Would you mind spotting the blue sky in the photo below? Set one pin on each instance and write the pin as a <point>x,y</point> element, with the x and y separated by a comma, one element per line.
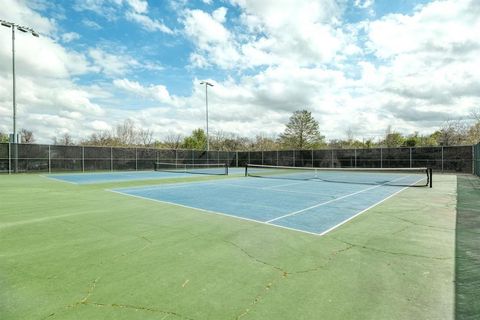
<point>359,65</point>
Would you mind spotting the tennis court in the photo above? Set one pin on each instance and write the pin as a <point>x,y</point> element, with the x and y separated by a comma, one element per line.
<point>303,199</point>
<point>122,176</point>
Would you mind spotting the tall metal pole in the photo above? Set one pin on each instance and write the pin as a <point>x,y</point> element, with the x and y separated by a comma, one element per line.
<point>206,113</point>
<point>207,84</point>
<point>14,101</point>
<point>15,140</point>
<point>15,137</point>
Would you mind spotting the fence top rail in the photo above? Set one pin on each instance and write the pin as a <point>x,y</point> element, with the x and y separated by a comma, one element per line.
<point>198,150</point>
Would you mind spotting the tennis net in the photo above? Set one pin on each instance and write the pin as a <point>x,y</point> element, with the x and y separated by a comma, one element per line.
<point>197,168</point>
<point>371,176</point>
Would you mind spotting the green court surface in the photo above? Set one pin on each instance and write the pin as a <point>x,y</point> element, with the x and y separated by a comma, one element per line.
<point>81,252</point>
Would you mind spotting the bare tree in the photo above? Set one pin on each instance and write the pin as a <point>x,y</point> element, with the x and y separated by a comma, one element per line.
<point>103,138</point>
<point>26,136</point>
<point>64,140</point>
<point>452,132</point>
<point>173,140</point>
<point>125,133</point>
<point>145,136</point>
<point>476,114</point>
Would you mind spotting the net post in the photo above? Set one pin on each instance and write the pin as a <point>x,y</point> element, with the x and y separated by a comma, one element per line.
<point>226,169</point>
<point>246,170</point>
<point>430,175</point>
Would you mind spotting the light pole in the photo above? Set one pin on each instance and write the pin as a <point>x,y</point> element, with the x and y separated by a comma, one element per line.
<point>24,29</point>
<point>207,84</point>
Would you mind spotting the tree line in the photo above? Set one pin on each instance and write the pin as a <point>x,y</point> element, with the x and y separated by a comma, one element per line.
<point>301,132</point>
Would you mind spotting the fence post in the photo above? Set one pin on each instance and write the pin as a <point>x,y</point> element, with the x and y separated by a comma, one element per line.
<point>410,157</point>
<point>111,158</point>
<point>83,159</point>
<point>312,159</point>
<point>293,157</point>
<point>355,153</point>
<point>473,160</point>
<point>49,160</point>
<point>136,159</point>
<point>236,158</point>
<point>381,157</point>
<point>248,156</point>
<point>277,157</point>
<point>9,157</point>
<point>262,157</point>
<point>442,159</point>
<point>331,164</point>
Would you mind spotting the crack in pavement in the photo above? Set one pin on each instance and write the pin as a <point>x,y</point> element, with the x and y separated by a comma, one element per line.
<point>392,252</point>
<point>253,257</point>
<point>283,274</point>
<point>85,301</point>
<point>261,295</point>
<point>422,225</point>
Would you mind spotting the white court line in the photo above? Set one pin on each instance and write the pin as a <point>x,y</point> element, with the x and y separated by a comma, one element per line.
<point>333,200</point>
<point>211,211</point>
<point>374,205</point>
<point>51,178</point>
<point>269,188</point>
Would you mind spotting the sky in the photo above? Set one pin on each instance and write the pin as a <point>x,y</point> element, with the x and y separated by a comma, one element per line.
<point>359,66</point>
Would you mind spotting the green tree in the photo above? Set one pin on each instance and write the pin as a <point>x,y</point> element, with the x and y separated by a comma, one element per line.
<point>412,140</point>
<point>197,140</point>
<point>302,132</point>
<point>392,138</point>
<point>3,138</point>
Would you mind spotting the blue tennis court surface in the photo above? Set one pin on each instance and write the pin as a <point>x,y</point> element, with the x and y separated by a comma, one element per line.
<point>309,206</point>
<point>103,177</point>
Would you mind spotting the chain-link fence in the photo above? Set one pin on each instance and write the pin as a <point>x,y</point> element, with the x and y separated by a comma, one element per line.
<point>476,161</point>
<point>443,159</point>
<point>54,158</point>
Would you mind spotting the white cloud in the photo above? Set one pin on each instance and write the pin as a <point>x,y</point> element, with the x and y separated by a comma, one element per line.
<point>156,92</point>
<point>91,24</point>
<point>214,42</point>
<point>139,6</point>
<point>70,36</point>
<point>431,56</point>
<point>148,23</point>
<point>364,4</point>
<point>112,64</point>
